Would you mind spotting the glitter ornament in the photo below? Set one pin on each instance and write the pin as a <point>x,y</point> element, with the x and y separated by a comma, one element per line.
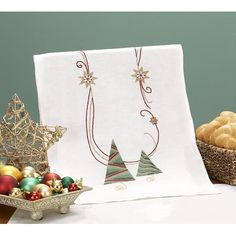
<point>55,185</point>
<point>72,187</point>
<point>33,196</point>
<point>17,193</point>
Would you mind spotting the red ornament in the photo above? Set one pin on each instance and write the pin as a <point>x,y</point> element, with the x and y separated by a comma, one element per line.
<point>33,196</point>
<point>72,187</point>
<point>7,183</point>
<point>49,177</point>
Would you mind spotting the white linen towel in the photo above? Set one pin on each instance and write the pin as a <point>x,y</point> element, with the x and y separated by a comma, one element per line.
<point>135,97</point>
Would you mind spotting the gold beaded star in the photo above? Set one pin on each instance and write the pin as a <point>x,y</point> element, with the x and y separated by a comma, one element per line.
<point>153,120</point>
<point>87,79</point>
<point>23,141</point>
<point>140,75</point>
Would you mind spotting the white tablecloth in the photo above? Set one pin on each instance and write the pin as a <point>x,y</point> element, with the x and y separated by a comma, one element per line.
<point>218,208</point>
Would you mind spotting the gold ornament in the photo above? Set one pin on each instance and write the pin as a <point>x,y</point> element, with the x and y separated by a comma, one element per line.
<point>65,190</point>
<point>43,189</point>
<point>55,185</point>
<point>29,168</point>
<point>79,183</point>
<point>17,193</point>
<point>36,175</point>
<point>27,173</point>
<point>24,141</point>
<point>12,171</point>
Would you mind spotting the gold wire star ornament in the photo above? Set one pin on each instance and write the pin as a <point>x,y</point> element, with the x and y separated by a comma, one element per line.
<point>87,79</point>
<point>140,75</point>
<point>24,142</point>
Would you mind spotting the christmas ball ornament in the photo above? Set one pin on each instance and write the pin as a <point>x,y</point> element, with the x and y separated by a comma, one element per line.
<point>79,183</point>
<point>28,183</point>
<point>7,183</point>
<point>36,175</point>
<point>12,171</point>
<point>37,186</point>
<point>30,168</point>
<point>43,189</point>
<point>33,196</point>
<point>16,192</point>
<point>66,181</point>
<point>72,187</point>
<point>40,178</point>
<point>50,176</point>
<point>55,185</point>
<point>28,171</point>
<point>65,190</point>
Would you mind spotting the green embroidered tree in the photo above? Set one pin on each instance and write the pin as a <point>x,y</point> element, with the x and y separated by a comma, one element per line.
<point>116,168</point>
<point>146,166</point>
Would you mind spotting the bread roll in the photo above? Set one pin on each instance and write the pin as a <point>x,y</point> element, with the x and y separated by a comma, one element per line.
<point>220,132</point>
<point>228,114</point>
<point>209,129</point>
<point>200,131</point>
<point>225,141</point>
<point>220,140</point>
<point>223,119</point>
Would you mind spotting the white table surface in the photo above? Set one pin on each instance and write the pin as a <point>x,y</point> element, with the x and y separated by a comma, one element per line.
<point>219,208</point>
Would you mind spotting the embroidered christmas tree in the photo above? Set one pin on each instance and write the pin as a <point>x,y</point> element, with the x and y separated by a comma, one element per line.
<point>146,166</point>
<point>116,168</point>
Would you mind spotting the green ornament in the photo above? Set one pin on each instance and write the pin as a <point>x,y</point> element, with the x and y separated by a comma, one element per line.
<point>28,183</point>
<point>66,181</point>
<point>40,179</point>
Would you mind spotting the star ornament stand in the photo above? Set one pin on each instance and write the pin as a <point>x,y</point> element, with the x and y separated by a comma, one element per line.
<point>24,142</point>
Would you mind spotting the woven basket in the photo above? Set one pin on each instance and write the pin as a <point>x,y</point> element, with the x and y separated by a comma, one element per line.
<point>219,162</point>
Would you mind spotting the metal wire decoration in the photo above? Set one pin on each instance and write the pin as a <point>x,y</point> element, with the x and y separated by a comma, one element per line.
<point>24,142</point>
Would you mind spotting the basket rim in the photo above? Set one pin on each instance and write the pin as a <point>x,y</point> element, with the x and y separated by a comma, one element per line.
<point>216,147</point>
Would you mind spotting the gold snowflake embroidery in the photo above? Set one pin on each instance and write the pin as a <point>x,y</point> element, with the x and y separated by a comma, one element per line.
<point>140,75</point>
<point>87,79</point>
<point>153,120</point>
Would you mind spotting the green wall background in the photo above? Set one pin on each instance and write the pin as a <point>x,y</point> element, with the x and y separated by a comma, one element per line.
<point>208,39</point>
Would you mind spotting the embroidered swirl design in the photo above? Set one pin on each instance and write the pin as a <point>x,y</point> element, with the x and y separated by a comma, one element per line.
<point>140,76</point>
<point>88,79</point>
<point>153,120</point>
